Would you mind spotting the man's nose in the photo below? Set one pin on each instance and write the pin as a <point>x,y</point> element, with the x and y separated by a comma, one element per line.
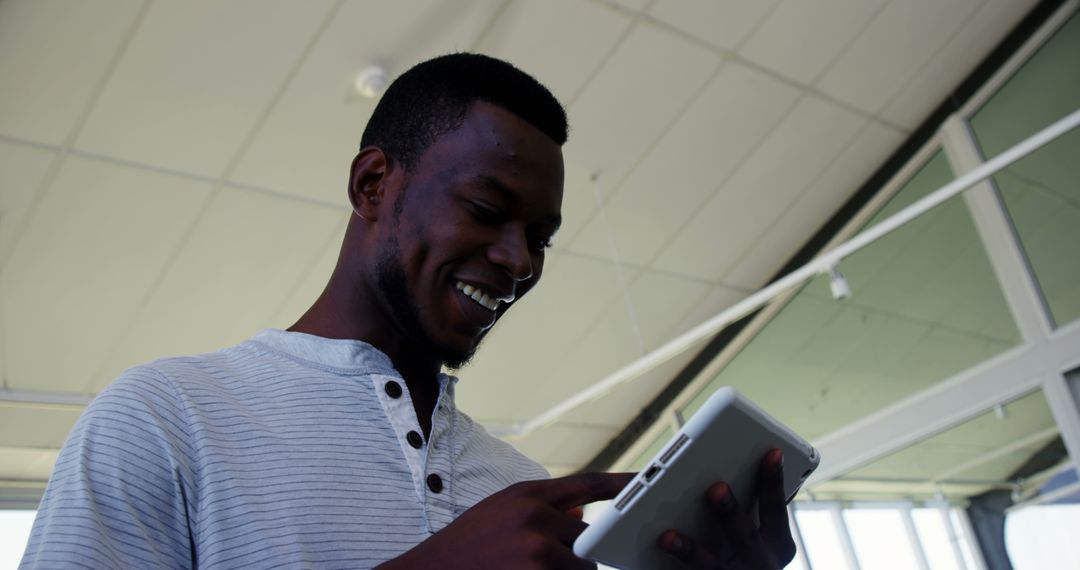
<point>512,253</point>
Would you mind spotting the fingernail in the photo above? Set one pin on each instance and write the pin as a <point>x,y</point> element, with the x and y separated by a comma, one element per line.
<point>778,460</point>
<point>725,496</point>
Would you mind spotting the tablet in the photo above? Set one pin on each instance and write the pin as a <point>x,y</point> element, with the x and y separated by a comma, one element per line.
<point>725,441</point>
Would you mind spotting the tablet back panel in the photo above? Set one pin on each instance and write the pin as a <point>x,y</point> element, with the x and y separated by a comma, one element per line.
<point>670,491</point>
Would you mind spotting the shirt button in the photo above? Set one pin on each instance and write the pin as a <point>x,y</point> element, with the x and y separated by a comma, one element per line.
<point>415,439</point>
<point>393,389</point>
<point>434,482</point>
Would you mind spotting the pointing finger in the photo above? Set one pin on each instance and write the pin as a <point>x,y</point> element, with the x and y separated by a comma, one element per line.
<point>572,491</point>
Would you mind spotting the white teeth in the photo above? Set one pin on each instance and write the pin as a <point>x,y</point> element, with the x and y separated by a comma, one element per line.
<point>483,299</point>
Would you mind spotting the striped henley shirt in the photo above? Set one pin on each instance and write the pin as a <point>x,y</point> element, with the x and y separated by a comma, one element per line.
<point>288,450</point>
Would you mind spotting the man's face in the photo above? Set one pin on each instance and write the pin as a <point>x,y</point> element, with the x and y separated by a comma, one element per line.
<point>469,231</point>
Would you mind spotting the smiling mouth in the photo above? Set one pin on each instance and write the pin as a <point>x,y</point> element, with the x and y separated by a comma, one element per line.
<point>479,297</point>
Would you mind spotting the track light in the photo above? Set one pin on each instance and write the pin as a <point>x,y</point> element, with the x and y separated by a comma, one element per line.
<point>838,285</point>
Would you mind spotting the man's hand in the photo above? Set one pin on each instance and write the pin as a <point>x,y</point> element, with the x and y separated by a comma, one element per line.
<point>527,525</point>
<point>736,542</point>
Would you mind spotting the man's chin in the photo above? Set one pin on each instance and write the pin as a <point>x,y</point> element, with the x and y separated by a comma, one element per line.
<point>455,358</point>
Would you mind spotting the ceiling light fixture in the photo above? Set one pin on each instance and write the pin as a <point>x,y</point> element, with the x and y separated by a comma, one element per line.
<point>370,82</point>
<point>838,285</point>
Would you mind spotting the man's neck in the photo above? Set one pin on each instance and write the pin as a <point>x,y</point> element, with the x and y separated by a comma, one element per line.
<point>419,369</point>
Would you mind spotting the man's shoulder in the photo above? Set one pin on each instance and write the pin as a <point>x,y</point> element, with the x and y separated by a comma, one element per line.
<point>187,369</point>
<point>500,451</point>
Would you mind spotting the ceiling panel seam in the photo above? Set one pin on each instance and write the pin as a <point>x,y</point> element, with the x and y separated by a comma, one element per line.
<point>654,270</point>
<point>52,171</point>
<point>795,199</point>
<point>620,271</point>
<point>218,185</point>
<point>496,15</point>
<point>734,56</point>
<point>618,185</point>
<point>757,26</point>
<point>750,151</point>
<point>933,57</point>
<point>156,169</point>
<point>31,144</point>
<point>851,41</point>
<point>280,315</point>
<point>602,63</point>
<point>80,121</point>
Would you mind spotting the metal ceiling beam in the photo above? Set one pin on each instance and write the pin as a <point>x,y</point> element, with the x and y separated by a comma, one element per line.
<point>45,398</point>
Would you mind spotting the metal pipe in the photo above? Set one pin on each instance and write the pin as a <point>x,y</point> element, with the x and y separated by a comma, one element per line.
<point>45,398</point>
<point>821,264</point>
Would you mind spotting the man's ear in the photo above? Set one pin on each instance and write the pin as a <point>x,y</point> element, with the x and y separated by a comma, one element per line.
<point>368,180</point>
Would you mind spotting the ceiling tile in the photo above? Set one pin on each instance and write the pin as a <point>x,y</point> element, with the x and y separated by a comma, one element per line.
<point>314,281</point>
<point>800,38</point>
<point>20,464</point>
<point>723,24</point>
<point>626,400</point>
<point>36,426</point>
<point>892,49</point>
<point>964,50</point>
<point>641,89</point>
<point>99,238</point>
<point>751,201</point>
<point>564,444</point>
<point>660,302</point>
<point>560,42</point>
<point>580,196</point>
<point>815,206</point>
<point>245,255</point>
<point>311,136</point>
<point>732,115</point>
<point>634,5</point>
<point>531,339</point>
<point>717,299</point>
<point>22,171</point>
<point>52,57</point>
<point>195,79</point>
<point>608,345</point>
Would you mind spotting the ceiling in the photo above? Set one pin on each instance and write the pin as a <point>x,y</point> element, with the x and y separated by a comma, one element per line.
<point>172,175</point>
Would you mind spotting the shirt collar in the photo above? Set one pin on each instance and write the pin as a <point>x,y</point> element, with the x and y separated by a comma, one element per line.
<point>346,354</point>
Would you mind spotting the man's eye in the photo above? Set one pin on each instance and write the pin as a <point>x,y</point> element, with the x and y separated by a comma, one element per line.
<point>486,214</point>
<point>538,245</point>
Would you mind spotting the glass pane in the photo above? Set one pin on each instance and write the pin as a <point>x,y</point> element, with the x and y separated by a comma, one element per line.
<point>880,539</point>
<point>14,534</point>
<point>960,462</point>
<point>821,538</point>
<point>925,305</point>
<point>935,538</point>
<point>1041,191</point>
<point>797,562</point>
<point>961,538</point>
<point>1043,536</point>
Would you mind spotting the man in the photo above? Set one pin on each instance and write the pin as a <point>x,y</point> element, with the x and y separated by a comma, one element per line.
<point>337,443</point>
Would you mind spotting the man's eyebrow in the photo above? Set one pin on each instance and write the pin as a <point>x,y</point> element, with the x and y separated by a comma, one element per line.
<point>512,197</point>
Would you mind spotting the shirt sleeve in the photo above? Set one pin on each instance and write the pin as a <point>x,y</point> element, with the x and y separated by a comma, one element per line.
<point>121,494</point>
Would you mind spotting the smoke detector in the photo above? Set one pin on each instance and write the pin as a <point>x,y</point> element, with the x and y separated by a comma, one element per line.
<point>370,82</point>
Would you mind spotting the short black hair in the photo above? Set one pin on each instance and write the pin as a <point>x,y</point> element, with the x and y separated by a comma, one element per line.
<point>433,97</point>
